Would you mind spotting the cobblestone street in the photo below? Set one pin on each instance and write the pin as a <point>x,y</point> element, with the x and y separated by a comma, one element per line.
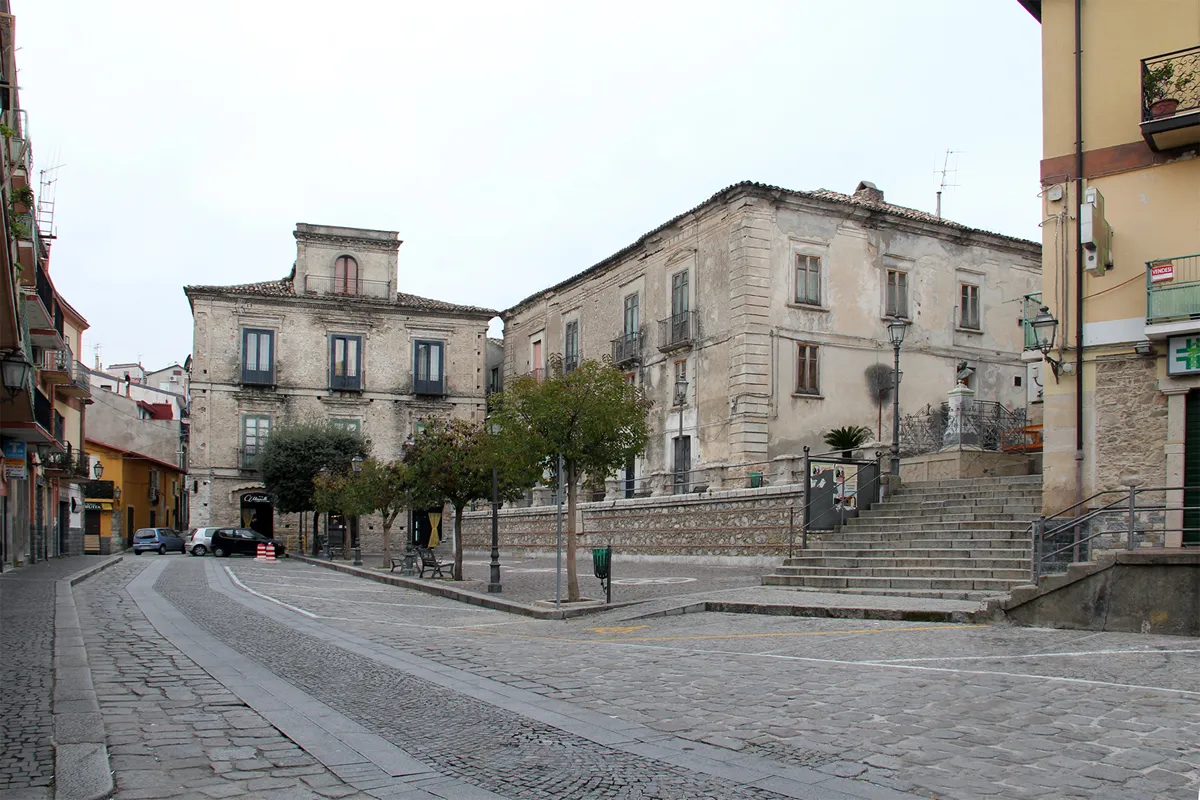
<point>233,678</point>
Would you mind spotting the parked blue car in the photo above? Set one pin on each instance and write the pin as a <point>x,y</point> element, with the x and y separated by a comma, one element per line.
<point>157,540</point>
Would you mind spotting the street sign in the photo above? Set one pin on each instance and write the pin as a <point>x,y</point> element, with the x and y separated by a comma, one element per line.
<point>1183,355</point>
<point>14,460</point>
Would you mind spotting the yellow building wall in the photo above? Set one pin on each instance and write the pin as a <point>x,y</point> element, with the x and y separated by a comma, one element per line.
<point>1117,34</point>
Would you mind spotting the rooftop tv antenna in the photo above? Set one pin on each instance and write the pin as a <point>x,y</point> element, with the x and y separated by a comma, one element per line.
<point>45,206</point>
<point>944,171</point>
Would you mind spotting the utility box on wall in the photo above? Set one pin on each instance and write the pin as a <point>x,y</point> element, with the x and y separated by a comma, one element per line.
<point>1095,234</point>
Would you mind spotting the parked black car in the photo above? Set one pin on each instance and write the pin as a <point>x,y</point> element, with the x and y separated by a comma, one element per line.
<point>227,541</point>
<point>157,540</point>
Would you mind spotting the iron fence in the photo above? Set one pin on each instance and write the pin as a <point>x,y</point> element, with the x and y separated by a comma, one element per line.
<point>983,424</point>
<point>1171,84</point>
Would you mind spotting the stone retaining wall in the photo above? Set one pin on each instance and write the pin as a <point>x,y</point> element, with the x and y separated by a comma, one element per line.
<point>733,523</point>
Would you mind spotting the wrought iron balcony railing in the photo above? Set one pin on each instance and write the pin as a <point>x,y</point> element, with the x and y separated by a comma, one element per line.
<point>627,348</point>
<point>1173,289</point>
<point>678,331</point>
<point>570,363</point>
<point>249,456</point>
<point>328,284</point>
<point>1171,99</point>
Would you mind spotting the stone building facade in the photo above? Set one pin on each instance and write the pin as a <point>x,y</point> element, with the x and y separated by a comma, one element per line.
<point>335,340</point>
<point>771,304</point>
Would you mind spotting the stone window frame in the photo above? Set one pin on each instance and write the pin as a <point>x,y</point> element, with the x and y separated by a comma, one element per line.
<point>537,344</point>
<point>258,377</point>
<point>635,308</point>
<point>347,383</point>
<point>247,456</point>
<point>805,248</point>
<point>906,306</point>
<point>968,281</point>
<point>808,370</point>
<point>571,343</point>
<point>341,275</point>
<point>347,423</point>
<point>429,386</point>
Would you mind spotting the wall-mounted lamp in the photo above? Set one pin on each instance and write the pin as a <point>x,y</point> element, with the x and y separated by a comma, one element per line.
<point>1045,327</point>
<point>1144,348</point>
<point>16,370</point>
<point>98,470</point>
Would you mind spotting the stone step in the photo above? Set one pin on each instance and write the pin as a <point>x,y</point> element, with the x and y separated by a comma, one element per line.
<point>919,524</point>
<point>1022,481</point>
<point>941,518</point>
<point>1022,554</point>
<point>998,495</point>
<point>956,506</point>
<point>932,573</point>
<point>914,541</point>
<point>856,582</point>
<point>945,595</point>
<point>899,559</point>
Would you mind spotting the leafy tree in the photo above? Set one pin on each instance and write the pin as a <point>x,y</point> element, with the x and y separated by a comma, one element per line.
<point>376,487</point>
<point>847,438</point>
<point>452,461</point>
<point>297,452</point>
<point>590,416</point>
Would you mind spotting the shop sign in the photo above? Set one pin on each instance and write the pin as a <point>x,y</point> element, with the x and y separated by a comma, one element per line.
<point>14,460</point>
<point>1183,355</point>
<point>258,497</point>
<point>1162,272</point>
<point>92,507</point>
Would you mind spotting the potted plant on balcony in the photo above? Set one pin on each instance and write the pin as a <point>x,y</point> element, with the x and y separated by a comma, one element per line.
<point>1161,87</point>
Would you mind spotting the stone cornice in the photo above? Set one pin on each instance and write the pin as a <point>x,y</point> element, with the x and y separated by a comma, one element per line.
<point>358,242</point>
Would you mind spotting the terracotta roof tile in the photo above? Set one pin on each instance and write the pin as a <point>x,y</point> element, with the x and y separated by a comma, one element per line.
<point>286,288</point>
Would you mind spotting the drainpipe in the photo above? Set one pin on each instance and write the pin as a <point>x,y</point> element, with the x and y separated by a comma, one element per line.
<point>1078,253</point>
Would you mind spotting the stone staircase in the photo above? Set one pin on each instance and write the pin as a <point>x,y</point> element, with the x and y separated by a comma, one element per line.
<point>962,539</point>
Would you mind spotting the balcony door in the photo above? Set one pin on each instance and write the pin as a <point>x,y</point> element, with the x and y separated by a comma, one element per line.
<point>679,306</point>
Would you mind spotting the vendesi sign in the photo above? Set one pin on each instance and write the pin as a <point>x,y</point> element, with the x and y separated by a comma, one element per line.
<point>14,460</point>
<point>1183,355</point>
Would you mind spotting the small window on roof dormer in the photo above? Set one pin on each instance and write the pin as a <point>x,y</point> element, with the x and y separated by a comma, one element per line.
<point>345,275</point>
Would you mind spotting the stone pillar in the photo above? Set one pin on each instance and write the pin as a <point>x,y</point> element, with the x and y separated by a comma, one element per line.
<point>614,486</point>
<point>960,427</point>
<point>784,469</point>
<point>1173,450</point>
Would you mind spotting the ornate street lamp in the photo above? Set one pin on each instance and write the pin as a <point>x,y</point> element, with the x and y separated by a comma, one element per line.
<point>897,328</point>
<point>356,465</point>
<point>681,386</point>
<point>494,585</point>
<point>1045,327</point>
<point>98,470</point>
<point>16,371</point>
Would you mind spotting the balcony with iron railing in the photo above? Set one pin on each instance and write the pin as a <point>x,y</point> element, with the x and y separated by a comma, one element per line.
<point>43,411</point>
<point>1171,99</point>
<point>678,331</point>
<point>57,366</point>
<point>627,349</point>
<point>1031,304</point>
<point>570,363</point>
<point>80,383</point>
<point>1172,296</point>
<point>330,285</point>
<point>249,456</point>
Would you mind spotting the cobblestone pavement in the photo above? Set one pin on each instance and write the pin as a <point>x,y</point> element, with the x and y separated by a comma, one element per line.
<point>951,711</point>
<point>174,732</point>
<point>528,579</point>
<point>501,752</point>
<point>26,671</point>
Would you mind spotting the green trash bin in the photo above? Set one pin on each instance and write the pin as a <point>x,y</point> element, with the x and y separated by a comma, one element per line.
<point>755,480</point>
<point>601,556</point>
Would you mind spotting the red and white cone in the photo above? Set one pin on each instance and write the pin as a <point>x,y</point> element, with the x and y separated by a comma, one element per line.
<point>262,552</point>
<point>269,553</point>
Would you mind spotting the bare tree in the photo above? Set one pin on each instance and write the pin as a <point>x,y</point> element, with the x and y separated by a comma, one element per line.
<point>881,380</point>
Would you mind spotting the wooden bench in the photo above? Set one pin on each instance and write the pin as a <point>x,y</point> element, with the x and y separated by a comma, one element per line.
<point>429,561</point>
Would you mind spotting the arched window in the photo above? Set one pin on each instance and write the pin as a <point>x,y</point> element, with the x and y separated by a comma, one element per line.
<point>345,276</point>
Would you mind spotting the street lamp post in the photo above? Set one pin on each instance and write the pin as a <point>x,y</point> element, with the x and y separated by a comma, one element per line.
<point>896,330</point>
<point>494,569</point>
<point>356,464</point>
<point>681,385</point>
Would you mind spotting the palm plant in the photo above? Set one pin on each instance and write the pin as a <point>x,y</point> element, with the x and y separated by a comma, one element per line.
<point>848,438</point>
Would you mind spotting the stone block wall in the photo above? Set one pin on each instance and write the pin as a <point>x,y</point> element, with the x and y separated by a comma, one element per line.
<point>1131,423</point>
<point>733,523</point>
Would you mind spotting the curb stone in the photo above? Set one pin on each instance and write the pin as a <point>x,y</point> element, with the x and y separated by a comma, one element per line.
<point>81,766</point>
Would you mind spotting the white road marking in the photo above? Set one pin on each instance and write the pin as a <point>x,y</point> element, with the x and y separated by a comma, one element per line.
<point>394,605</point>
<point>420,625</point>
<point>1028,656</point>
<point>879,665</point>
<point>243,586</point>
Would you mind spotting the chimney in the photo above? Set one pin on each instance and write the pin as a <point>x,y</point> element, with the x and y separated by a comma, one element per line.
<point>868,192</point>
<point>128,385</point>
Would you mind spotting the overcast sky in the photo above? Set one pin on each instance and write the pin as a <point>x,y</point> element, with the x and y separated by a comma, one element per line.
<point>511,144</point>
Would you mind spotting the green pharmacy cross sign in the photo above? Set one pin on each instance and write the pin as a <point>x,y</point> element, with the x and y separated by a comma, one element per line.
<point>1183,355</point>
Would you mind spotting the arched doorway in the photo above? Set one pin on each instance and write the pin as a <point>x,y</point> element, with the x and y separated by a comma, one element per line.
<point>258,513</point>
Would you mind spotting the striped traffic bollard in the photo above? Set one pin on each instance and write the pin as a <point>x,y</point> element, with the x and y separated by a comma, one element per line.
<point>269,553</point>
<point>262,552</point>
